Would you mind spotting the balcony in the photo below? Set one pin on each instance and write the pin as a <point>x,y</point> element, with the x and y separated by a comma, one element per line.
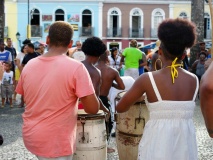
<point>154,33</point>
<point>136,33</point>
<point>36,31</point>
<point>86,31</point>
<point>208,34</point>
<point>114,32</point>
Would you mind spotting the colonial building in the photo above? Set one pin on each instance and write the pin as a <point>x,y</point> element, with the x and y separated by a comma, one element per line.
<point>84,16</point>
<point>114,21</point>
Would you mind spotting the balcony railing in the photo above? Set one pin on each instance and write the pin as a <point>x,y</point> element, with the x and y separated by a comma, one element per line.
<point>154,33</point>
<point>114,32</point>
<point>86,31</point>
<point>208,34</point>
<point>136,33</point>
<point>36,31</point>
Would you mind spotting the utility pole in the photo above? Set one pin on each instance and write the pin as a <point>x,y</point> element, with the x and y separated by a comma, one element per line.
<point>2,17</point>
<point>197,16</point>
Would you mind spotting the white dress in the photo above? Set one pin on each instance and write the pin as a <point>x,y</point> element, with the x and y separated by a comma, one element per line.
<point>170,132</point>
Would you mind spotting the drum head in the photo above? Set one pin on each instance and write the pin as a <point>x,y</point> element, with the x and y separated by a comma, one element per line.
<point>83,113</point>
<point>121,94</point>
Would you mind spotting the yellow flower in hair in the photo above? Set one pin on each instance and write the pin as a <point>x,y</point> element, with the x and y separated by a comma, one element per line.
<point>174,71</point>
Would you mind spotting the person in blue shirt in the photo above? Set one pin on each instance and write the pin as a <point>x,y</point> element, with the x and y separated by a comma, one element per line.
<point>4,54</point>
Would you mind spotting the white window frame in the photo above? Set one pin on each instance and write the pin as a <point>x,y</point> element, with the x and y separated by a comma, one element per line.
<point>184,17</point>
<point>62,8</point>
<point>120,44</point>
<point>131,14</point>
<point>109,14</point>
<point>153,15</point>
<point>92,16</point>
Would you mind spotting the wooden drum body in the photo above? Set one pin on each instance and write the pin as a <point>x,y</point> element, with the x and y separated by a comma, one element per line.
<point>129,129</point>
<point>91,143</point>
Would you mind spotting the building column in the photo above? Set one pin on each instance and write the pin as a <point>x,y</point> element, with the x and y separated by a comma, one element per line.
<point>171,11</point>
<point>100,21</point>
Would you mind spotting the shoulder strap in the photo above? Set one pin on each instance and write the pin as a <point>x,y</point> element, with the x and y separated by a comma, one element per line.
<point>154,86</point>
<point>197,87</point>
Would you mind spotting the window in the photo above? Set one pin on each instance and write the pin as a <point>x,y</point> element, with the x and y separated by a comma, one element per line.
<point>87,29</point>
<point>35,17</point>
<point>207,26</point>
<point>36,29</point>
<point>183,15</point>
<point>86,18</point>
<point>59,15</point>
<point>136,23</point>
<point>158,15</point>
<point>114,22</point>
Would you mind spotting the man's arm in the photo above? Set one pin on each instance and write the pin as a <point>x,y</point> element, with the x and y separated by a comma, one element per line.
<point>144,61</point>
<point>17,63</point>
<point>206,99</point>
<point>91,104</point>
<point>121,61</point>
<point>119,82</point>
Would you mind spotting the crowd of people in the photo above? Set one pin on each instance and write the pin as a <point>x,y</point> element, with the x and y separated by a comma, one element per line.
<point>55,84</point>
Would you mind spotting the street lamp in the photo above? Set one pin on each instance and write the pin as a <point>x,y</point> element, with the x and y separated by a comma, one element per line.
<point>18,35</point>
<point>28,22</point>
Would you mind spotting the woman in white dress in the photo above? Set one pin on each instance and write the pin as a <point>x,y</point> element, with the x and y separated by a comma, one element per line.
<point>170,97</point>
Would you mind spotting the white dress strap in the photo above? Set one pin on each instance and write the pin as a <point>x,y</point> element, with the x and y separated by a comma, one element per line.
<point>197,87</point>
<point>154,86</point>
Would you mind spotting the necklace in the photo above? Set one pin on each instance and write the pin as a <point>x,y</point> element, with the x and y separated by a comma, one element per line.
<point>174,71</point>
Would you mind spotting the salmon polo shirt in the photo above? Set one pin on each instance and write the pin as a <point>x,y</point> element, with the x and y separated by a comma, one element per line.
<point>51,87</point>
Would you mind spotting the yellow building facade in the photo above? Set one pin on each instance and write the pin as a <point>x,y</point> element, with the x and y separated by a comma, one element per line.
<point>184,10</point>
<point>11,21</point>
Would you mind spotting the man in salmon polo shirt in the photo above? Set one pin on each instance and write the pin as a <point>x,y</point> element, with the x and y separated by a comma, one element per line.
<point>51,85</point>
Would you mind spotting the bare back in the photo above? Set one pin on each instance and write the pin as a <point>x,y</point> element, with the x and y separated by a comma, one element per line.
<point>95,76</point>
<point>182,90</point>
<point>108,75</point>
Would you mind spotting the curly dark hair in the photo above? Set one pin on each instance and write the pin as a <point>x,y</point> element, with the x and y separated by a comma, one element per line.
<point>60,34</point>
<point>93,46</point>
<point>176,35</point>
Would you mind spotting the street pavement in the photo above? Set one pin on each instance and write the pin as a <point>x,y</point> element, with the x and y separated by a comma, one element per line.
<point>14,149</point>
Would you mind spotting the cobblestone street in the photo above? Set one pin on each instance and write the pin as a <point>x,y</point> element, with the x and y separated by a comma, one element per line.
<point>13,147</point>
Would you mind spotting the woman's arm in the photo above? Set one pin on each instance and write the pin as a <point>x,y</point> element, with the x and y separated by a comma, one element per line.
<point>132,95</point>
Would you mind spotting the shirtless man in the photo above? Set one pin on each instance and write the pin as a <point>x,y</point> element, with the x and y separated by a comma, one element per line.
<point>108,75</point>
<point>93,48</point>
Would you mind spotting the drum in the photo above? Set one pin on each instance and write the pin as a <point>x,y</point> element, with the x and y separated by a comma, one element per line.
<point>91,138</point>
<point>129,129</point>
